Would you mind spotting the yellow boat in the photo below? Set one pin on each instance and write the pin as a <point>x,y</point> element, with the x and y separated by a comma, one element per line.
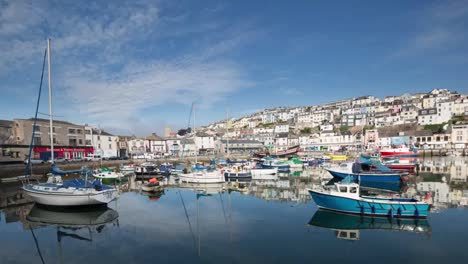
<point>337,157</point>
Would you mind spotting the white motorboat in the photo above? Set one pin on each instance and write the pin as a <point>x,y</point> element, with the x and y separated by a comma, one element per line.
<point>127,169</point>
<point>106,174</point>
<point>146,168</point>
<point>203,176</point>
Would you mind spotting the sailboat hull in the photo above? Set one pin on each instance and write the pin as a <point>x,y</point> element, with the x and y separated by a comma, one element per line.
<point>202,177</point>
<point>71,197</point>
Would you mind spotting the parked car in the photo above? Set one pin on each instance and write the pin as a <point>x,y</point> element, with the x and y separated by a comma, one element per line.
<point>58,160</point>
<point>34,161</point>
<point>77,159</point>
<point>93,157</point>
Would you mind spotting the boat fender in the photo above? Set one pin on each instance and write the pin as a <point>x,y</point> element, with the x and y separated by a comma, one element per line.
<point>362,209</point>
<point>416,212</point>
<point>373,209</point>
<point>390,212</point>
<point>399,211</point>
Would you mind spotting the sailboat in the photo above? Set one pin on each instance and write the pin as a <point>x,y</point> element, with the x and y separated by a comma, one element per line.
<point>75,192</point>
<point>204,175</point>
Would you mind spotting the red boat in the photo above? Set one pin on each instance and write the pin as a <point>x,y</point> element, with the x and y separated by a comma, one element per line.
<point>400,151</point>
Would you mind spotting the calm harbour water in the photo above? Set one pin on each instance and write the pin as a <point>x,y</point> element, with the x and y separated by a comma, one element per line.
<point>270,221</point>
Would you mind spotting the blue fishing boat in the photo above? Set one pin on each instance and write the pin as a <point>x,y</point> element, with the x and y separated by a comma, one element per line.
<point>366,170</point>
<point>345,197</point>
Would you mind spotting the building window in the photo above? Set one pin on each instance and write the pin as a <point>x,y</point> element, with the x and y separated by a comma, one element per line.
<point>37,128</point>
<point>71,131</point>
<point>99,146</point>
<point>78,131</point>
<point>110,139</point>
<point>110,146</point>
<point>72,141</point>
<point>88,142</point>
<point>445,138</point>
<point>53,129</point>
<point>80,141</point>
<point>88,132</point>
<point>37,141</point>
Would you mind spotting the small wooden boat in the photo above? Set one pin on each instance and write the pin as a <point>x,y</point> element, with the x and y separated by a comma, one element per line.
<point>152,186</point>
<point>345,197</point>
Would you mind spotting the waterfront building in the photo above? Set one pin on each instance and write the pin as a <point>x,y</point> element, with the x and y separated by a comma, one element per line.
<point>240,146</point>
<point>173,146</point>
<point>69,139</point>
<point>157,145</point>
<point>205,143</point>
<point>460,136</point>
<point>103,143</point>
<point>137,147</point>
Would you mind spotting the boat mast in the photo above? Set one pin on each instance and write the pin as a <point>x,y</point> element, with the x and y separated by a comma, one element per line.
<point>195,135</point>
<point>50,104</point>
<point>227,132</point>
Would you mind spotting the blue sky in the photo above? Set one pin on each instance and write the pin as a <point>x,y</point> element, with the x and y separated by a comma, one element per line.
<point>136,66</point>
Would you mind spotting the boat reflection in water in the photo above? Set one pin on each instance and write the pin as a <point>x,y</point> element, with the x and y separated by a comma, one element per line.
<point>69,221</point>
<point>72,217</point>
<point>348,226</point>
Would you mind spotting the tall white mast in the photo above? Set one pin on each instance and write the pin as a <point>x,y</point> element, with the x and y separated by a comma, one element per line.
<point>51,131</point>
<point>227,133</point>
<point>195,134</point>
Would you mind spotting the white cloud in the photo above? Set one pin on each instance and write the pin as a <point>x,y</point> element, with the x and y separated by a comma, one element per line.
<point>107,62</point>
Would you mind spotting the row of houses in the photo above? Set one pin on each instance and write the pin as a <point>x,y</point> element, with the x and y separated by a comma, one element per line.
<point>436,107</point>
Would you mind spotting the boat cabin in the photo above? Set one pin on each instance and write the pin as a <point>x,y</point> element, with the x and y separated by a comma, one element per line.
<point>346,190</point>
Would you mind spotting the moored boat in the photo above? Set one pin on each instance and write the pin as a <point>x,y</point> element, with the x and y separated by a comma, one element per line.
<point>151,186</point>
<point>76,192</point>
<point>399,151</point>
<point>364,171</point>
<point>107,174</point>
<point>146,169</point>
<point>203,176</point>
<point>345,197</point>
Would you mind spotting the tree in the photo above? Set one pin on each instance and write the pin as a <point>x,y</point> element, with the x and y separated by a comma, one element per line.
<point>183,131</point>
<point>344,129</point>
<point>306,130</point>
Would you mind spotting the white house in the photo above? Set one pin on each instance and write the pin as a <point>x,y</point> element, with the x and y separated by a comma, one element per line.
<point>281,129</point>
<point>281,141</point>
<point>262,130</point>
<point>104,143</point>
<point>460,136</point>
<point>444,111</point>
<point>427,116</point>
<point>268,118</point>
<point>304,118</point>
<point>204,142</point>
<point>285,116</point>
